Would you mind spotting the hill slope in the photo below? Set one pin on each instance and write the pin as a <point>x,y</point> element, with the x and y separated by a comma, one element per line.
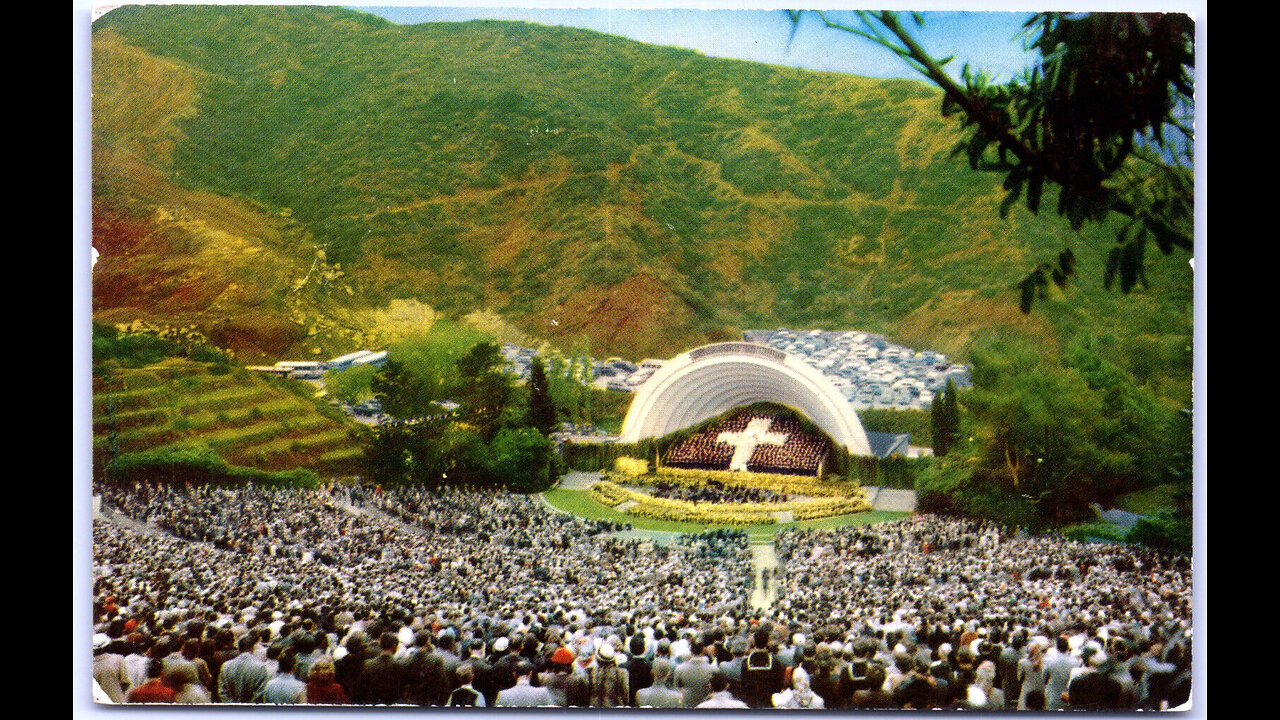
<point>247,419</point>
<point>279,176</point>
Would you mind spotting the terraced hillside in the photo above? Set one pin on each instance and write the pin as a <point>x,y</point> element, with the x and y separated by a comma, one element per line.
<point>249,420</point>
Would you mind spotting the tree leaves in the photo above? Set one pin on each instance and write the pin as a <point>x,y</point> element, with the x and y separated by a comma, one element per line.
<point>1107,87</point>
<point>1036,284</point>
<point>1126,259</point>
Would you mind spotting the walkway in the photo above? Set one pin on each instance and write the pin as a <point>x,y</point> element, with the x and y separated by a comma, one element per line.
<point>882,498</point>
<point>764,575</point>
<point>576,480</point>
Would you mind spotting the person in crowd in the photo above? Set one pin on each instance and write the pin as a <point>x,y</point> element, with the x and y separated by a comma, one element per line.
<point>425,673</point>
<point>524,693</point>
<point>763,674</point>
<point>109,670</point>
<point>465,695</point>
<point>382,681</point>
<point>322,688</point>
<point>798,696</point>
<point>285,688</point>
<point>558,675</point>
<point>1059,665</point>
<point>155,689</point>
<point>693,676</point>
<point>187,688</point>
<point>639,669</point>
<point>660,694</point>
<point>608,681</point>
<point>243,676</point>
<point>720,697</point>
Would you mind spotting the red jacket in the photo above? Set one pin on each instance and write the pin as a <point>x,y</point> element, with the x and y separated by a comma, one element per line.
<point>152,691</point>
<point>330,693</point>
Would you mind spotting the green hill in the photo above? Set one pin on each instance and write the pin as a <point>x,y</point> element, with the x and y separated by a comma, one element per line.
<point>247,419</point>
<point>282,177</point>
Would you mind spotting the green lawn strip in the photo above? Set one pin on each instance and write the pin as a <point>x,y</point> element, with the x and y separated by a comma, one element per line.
<point>224,401</point>
<point>1095,532</point>
<point>155,436</point>
<point>198,401</point>
<point>131,399</point>
<point>341,454</point>
<point>125,381</point>
<point>579,503</point>
<point>130,419</point>
<point>310,441</point>
<point>147,433</point>
<point>1148,501</point>
<point>274,410</point>
<point>262,432</point>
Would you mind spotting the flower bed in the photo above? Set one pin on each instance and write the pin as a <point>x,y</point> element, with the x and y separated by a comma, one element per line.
<point>612,495</point>
<point>773,482</point>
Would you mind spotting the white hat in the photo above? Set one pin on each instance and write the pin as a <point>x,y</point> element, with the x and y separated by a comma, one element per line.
<point>501,644</point>
<point>605,652</point>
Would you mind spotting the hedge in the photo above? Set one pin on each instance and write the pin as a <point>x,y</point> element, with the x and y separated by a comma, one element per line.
<point>199,463</point>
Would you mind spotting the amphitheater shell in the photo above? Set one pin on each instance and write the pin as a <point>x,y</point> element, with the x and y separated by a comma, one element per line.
<point>707,381</point>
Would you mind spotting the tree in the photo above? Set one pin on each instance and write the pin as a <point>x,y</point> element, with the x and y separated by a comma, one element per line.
<point>404,395</point>
<point>542,410</point>
<point>1064,436</point>
<point>522,459</point>
<point>944,415</point>
<point>483,388</point>
<point>1103,117</point>
<point>351,385</point>
<point>1167,530</point>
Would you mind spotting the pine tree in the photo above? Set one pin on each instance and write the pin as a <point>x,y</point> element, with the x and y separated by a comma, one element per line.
<point>938,425</point>
<point>944,416</point>
<point>952,414</point>
<point>542,410</point>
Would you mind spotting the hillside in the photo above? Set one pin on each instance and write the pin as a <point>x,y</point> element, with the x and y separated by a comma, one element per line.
<point>247,419</point>
<point>283,178</point>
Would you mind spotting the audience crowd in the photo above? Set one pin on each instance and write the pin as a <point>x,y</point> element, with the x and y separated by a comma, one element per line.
<point>473,598</point>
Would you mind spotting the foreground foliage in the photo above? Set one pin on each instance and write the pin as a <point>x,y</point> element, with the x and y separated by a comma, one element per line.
<point>1047,440</point>
<point>1104,115</point>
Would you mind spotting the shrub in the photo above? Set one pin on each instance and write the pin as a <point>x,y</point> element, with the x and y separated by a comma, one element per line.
<point>200,464</point>
<point>631,466</point>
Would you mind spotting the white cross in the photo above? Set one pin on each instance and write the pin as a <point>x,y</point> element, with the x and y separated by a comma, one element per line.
<point>744,443</point>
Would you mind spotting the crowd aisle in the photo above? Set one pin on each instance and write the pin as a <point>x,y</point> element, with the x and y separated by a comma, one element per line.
<point>468,597</point>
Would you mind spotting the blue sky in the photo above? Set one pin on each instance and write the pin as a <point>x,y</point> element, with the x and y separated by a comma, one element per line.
<point>986,39</point>
<point>987,35</point>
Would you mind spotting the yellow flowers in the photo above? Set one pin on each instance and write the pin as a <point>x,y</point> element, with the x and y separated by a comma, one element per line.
<point>773,482</point>
<point>613,495</point>
<point>631,466</point>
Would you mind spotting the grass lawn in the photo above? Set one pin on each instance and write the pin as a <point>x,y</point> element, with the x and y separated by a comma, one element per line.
<point>579,503</point>
<point>1146,502</point>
